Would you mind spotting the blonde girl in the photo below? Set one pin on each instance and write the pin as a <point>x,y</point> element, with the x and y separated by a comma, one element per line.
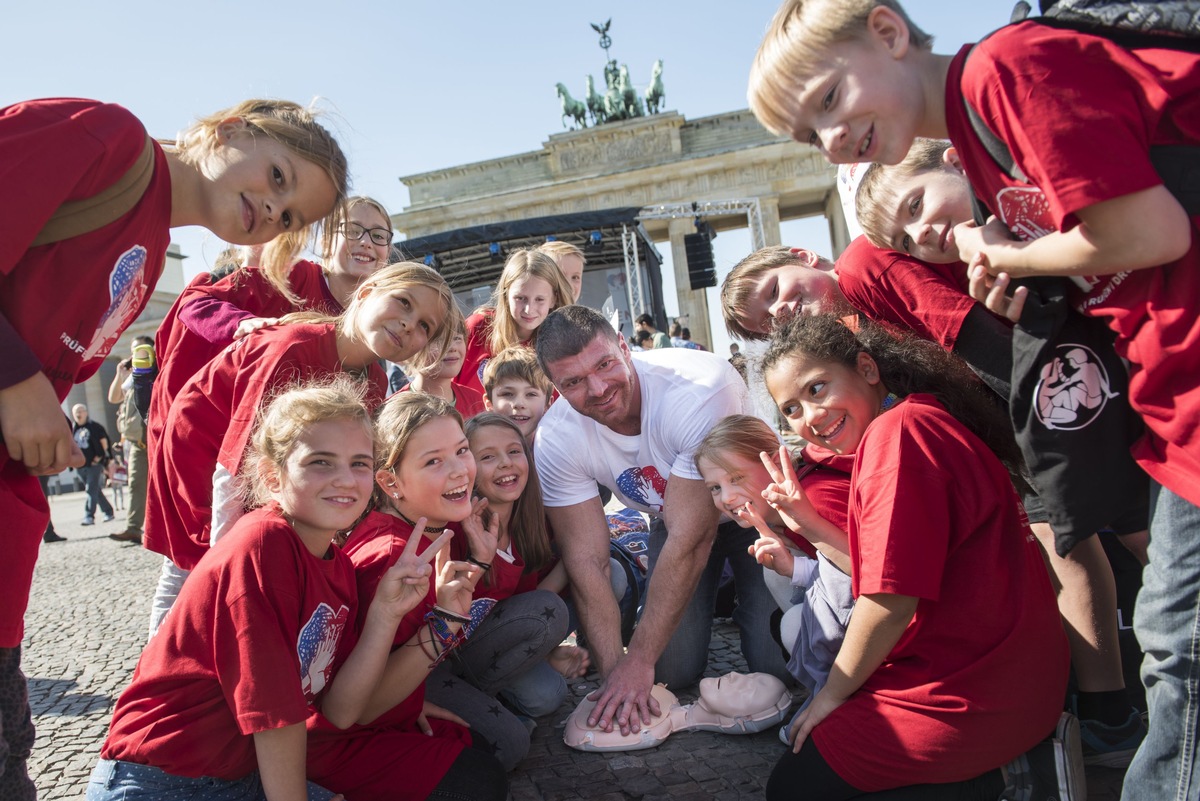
<point>406,747</point>
<point>211,313</point>
<point>395,315</point>
<point>805,558</point>
<point>71,282</point>
<point>211,696</point>
<point>530,287</point>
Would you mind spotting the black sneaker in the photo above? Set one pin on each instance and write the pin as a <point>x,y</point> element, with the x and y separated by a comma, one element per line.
<point>1050,771</point>
<point>1112,746</point>
<point>53,536</point>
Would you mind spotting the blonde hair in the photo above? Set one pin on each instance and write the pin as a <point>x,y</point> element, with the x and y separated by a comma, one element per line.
<point>876,201</point>
<point>342,214</point>
<point>285,418</point>
<point>297,129</point>
<point>794,42</point>
<point>525,263</point>
<point>409,275</point>
<point>527,525</point>
<point>435,365</point>
<point>559,249</point>
<point>520,362</point>
<point>397,420</point>
<point>737,435</point>
<point>739,287</point>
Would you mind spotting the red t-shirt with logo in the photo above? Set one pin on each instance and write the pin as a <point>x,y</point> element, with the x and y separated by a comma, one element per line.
<point>389,757</point>
<point>211,420</point>
<point>201,323</point>
<point>250,645</point>
<point>1079,115</point>
<point>63,305</point>
<point>979,674</point>
<point>478,350</point>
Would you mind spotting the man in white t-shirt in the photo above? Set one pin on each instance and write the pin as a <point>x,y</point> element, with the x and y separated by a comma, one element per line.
<point>632,423</point>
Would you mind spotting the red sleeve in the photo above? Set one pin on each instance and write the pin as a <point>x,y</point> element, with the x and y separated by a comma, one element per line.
<point>1077,112</point>
<point>478,350</point>
<point>254,641</point>
<point>893,288</point>
<point>900,513</point>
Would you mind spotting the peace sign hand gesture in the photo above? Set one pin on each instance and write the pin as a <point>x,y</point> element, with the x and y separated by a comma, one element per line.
<point>785,495</point>
<point>769,550</point>
<point>405,584</point>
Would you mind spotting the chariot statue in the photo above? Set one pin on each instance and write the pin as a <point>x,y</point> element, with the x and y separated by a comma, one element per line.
<point>620,100</point>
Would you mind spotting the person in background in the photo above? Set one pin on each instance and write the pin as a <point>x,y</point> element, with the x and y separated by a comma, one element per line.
<point>658,339</point>
<point>92,439</point>
<point>132,429</point>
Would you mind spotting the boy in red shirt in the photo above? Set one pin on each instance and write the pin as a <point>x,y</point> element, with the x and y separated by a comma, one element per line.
<point>1079,115</point>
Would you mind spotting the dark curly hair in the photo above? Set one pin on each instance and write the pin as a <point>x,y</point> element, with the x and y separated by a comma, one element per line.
<point>907,364</point>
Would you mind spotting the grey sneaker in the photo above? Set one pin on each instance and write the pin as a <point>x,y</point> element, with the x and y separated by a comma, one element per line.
<point>1050,771</point>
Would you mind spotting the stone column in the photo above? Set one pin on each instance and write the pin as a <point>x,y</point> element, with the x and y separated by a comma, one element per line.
<point>839,234</point>
<point>769,207</point>
<point>692,304</point>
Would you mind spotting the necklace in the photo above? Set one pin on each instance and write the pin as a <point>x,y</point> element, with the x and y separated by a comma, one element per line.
<point>428,529</point>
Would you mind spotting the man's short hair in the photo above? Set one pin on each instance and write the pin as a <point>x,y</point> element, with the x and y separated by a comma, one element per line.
<point>567,331</point>
<point>876,201</point>
<point>644,319</point>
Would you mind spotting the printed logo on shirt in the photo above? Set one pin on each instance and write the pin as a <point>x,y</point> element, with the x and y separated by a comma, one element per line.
<point>125,290</point>
<point>1026,212</point>
<point>1072,390</point>
<point>644,485</point>
<point>479,610</point>
<point>482,367</point>
<point>316,647</point>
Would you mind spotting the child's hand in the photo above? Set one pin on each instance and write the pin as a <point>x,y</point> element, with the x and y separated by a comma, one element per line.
<point>570,660</point>
<point>34,428</point>
<point>992,291</point>
<point>249,326</point>
<point>481,540</point>
<point>406,583</point>
<point>823,703</point>
<point>432,710</point>
<point>769,549</point>
<point>785,494</point>
<point>455,582</point>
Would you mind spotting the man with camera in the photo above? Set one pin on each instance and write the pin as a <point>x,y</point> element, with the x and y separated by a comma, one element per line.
<point>132,429</point>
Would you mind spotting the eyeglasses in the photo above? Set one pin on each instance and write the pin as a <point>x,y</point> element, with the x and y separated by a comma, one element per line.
<point>354,232</point>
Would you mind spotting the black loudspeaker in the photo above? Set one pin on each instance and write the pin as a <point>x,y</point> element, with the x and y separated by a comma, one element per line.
<point>702,272</point>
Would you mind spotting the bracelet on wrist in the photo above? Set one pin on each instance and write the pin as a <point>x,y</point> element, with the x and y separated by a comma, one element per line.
<point>452,617</point>
<point>484,566</point>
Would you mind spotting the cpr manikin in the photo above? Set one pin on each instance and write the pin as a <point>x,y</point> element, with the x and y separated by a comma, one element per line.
<point>736,703</point>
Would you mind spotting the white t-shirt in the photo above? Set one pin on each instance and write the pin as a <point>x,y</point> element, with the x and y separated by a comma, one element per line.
<point>684,394</point>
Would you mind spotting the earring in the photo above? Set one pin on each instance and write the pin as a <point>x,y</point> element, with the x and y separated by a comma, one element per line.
<point>396,495</point>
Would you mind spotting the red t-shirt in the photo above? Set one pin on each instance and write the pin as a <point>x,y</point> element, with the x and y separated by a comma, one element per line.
<point>211,420</point>
<point>1079,115</point>
<point>63,305</point>
<point>479,349</point>
<point>390,757</point>
<point>889,287</point>
<point>467,399</point>
<point>201,323</point>
<point>980,673</point>
<point>249,646</point>
<point>505,579</point>
<point>825,479</point>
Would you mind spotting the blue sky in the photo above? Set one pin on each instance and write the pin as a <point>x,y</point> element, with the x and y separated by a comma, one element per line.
<point>409,87</point>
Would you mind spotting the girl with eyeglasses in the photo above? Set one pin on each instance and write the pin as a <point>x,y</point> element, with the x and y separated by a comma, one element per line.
<point>211,313</point>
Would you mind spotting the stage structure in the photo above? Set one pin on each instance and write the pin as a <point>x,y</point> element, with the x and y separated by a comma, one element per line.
<point>651,178</point>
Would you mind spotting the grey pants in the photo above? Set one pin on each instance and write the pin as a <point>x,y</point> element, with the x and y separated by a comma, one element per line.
<point>507,650</point>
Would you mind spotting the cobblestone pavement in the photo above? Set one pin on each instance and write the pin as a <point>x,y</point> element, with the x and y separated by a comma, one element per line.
<point>87,623</point>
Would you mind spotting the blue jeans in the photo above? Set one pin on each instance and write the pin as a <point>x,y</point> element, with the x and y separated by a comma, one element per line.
<point>1167,624</point>
<point>93,482</point>
<point>114,780</point>
<point>686,655</point>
